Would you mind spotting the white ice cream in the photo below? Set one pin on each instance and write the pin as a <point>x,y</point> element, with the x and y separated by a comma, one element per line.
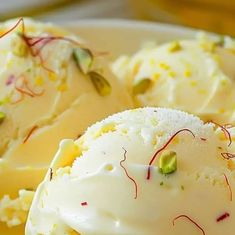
<point>87,190</point>
<point>197,76</point>
<point>44,98</point>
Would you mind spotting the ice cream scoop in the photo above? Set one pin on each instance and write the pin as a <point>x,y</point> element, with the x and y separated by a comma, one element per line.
<point>52,86</point>
<point>145,171</point>
<point>197,76</point>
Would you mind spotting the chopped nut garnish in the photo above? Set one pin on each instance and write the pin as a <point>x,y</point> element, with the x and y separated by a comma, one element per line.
<point>168,162</point>
<point>141,86</point>
<point>100,83</point>
<point>83,58</point>
<point>19,49</point>
<point>174,46</point>
<point>2,117</point>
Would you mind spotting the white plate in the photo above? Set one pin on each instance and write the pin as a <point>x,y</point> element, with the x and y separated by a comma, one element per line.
<point>126,36</point>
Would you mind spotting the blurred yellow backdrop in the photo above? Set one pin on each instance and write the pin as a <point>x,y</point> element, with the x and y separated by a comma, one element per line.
<point>212,15</point>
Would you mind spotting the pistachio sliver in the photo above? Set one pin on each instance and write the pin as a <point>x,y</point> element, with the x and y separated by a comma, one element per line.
<point>168,162</point>
<point>2,117</point>
<point>174,46</point>
<point>221,41</point>
<point>83,58</point>
<point>20,50</point>
<point>141,86</point>
<point>100,83</point>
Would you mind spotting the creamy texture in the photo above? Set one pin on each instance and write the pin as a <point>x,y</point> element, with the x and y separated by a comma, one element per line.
<point>197,76</point>
<point>87,190</point>
<point>44,98</point>
<point>15,211</point>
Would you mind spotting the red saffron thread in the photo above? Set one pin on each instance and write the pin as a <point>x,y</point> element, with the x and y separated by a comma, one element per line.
<point>30,133</point>
<point>32,42</point>
<point>187,217</point>
<point>37,53</point>
<point>21,90</point>
<point>222,217</point>
<point>228,156</point>
<point>163,147</point>
<point>229,187</point>
<point>21,20</point>
<point>24,89</point>
<point>33,92</point>
<point>78,136</point>
<point>51,173</point>
<point>203,139</point>
<point>127,174</point>
<point>10,80</point>
<point>225,131</point>
<point>84,203</point>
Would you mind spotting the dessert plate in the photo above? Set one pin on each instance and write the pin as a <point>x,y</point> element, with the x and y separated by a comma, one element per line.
<point>126,36</point>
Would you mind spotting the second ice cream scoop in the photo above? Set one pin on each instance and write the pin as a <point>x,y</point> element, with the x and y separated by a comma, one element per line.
<point>196,76</point>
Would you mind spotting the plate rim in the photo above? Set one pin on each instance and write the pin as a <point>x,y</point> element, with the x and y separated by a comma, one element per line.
<point>129,23</point>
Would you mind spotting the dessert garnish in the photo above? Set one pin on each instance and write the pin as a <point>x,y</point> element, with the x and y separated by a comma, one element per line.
<point>100,83</point>
<point>174,46</point>
<point>84,203</point>
<point>51,174</point>
<point>228,156</point>
<point>30,133</point>
<point>168,162</point>
<point>229,187</point>
<point>141,86</point>
<point>191,220</point>
<point>127,174</point>
<point>223,216</point>
<point>163,148</point>
<point>225,131</point>
<point>2,117</point>
<point>84,59</point>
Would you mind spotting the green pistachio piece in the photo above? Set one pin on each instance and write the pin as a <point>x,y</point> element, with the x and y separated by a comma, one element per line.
<point>2,117</point>
<point>100,83</point>
<point>2,102</point>
<point>83,58</point>
<point>174,46</point>
<point>141,86</point>
<point>5,100</point>
<point>221,41</point>
<point>168,162</point>
<point>19,48</point>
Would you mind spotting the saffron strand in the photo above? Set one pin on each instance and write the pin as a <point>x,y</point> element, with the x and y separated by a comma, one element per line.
<point>163,147</point>
<point>127,174</point>
<point>191,220</point>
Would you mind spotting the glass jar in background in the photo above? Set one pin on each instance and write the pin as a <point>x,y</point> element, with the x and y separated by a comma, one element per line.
<point>212,15</point>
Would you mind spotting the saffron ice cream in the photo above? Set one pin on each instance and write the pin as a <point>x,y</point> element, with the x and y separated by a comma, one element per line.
<point>52,86</point>
<point>146,171</point>
<point>197,76</point>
